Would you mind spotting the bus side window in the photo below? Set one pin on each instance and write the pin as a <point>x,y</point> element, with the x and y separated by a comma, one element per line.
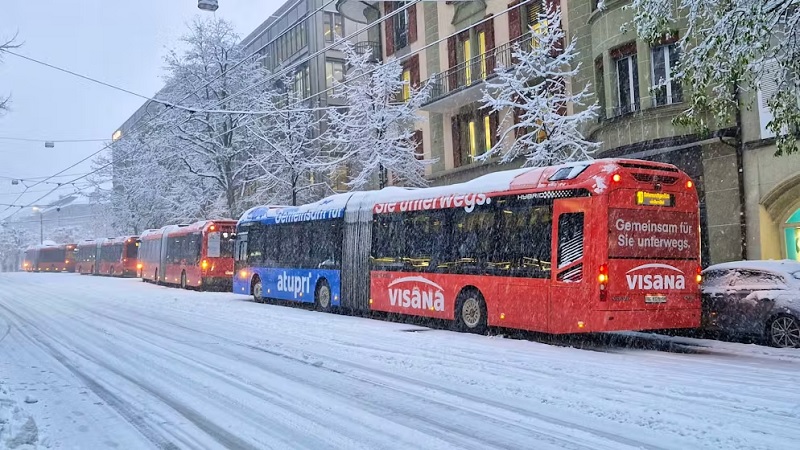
<point>570,245</point>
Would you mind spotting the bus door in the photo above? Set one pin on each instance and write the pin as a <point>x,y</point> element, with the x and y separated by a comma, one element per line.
<point>570,302</point>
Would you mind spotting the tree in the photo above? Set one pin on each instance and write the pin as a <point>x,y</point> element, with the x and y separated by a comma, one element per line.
<point>730,46</point>
<point>6,44</point>
<point>213,146</point>
<point>14,241</point>
<point>533,96</point>
<point>290,131</point>
<point>375,132</point>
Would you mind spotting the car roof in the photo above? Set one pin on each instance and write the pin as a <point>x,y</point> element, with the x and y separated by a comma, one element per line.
<point>779,266</point>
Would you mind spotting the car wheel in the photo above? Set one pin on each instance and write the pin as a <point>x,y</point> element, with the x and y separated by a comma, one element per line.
<point>471,312</point>
<point>784,331</point>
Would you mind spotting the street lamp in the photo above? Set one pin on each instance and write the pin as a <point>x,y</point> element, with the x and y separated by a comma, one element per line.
<point>208,5</point>
<point>41,224</point>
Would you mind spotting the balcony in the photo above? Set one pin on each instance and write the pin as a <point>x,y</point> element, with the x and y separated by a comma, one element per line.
<point>461,84</point>
<point>373,48</point>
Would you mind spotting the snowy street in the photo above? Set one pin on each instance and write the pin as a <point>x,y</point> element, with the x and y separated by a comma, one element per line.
<point>90,362</point>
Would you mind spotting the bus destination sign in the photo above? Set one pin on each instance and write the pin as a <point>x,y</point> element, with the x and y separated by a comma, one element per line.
<point>654,199</point>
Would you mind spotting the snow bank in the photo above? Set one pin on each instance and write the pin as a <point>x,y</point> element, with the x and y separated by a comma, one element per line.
<point>18,429</point>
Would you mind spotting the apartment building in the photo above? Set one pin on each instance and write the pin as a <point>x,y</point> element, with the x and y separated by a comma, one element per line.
<point>454,46</point>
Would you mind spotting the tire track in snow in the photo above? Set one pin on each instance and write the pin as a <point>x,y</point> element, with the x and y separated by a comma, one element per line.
<point>420,396</point>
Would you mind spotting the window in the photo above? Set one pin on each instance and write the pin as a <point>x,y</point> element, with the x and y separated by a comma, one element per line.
<point>467,48</point>
<point>400,26</point>
<point>132,249</point>
<point>302,82</point>
<point>570,246</point>
<point>482,52</point>
<point>332,27</point>
<point>600,87</point>
<point>406,93</point>
<point>627,84</point>
<point>474,135</point>
<point>667,90</point>
<point>334,70</point>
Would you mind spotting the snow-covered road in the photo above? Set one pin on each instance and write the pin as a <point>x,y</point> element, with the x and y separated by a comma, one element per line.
<point>109,363</point>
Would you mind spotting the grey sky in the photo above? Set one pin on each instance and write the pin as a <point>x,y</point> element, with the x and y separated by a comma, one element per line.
<point>117,41</point>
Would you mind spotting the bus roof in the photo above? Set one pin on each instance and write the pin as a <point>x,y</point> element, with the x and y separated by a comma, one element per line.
<point>594,176</point>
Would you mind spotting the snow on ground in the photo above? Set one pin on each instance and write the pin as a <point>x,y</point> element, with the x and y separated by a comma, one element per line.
<point>111,363</point>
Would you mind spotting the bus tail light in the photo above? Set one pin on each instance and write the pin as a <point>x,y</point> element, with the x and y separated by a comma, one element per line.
<point>689,184</point>
<point>204,264</point>
<point>616,178</point>
<point>139,266</point>
<point>602,280</point>
<point>212,227</point>
<point>699,276</point>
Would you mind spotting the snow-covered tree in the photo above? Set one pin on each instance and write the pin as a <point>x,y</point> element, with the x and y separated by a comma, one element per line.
<point>292,158</point>
<point>729,46</point>
<point>375,132</point>
<point>6,44</point>
<point>532,98</point>
<point>14,241</point>
<point>213,146</point>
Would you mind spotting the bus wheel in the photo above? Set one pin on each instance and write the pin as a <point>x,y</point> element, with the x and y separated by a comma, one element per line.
<point>258,290</point>
<point>322,296</point>
<point>471,312</point>
<point>155,278</point>
<point>183,281</point>
<point>111,272</point>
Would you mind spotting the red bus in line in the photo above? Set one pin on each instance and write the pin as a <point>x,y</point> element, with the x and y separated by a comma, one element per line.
<point>50,258</point>
<point>591,246</point>
<point>86,256</point>
<point>199,255</point>
<point>118,257</point>
<point>150,254</point>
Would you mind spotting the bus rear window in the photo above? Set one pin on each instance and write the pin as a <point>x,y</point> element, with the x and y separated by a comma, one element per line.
<point>132,250</point>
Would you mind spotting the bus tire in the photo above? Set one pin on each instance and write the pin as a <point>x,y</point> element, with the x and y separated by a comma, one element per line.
<point>322,296</point>
<point>183,281</point>
<point>471,311</point>
<point>257,289</point>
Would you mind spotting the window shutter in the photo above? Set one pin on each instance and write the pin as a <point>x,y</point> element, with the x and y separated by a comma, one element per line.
<point>389,29</point>
<point>514,22</point>
<point>768,87</point>
<point>452,60</point>
<point>456,129</point>
<point>494,120</point>
<point>420,151</point>
<point>412,23</point>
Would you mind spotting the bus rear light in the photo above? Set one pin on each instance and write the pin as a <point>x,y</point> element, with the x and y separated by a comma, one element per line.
<point>616,178</point>
<point>243,274</point>
<point>689,184</point>
<point>699,276</point>
<point>139,266</point>
<point>502,316</point>
<point>602,279</point>
<point>581,324</point>
<point>204,264</point>
<point>212,228</point>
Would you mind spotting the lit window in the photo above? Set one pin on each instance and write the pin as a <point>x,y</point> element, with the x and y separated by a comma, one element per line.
<point>334,70</point>
<point>473,144</point>
<point>482,51</point>
<point>487,132</point>
<point>332,27</point>
<point>406,85</point>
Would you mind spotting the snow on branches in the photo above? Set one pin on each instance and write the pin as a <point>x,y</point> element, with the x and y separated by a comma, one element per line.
<point>729,46</point>
<point>290,133</point>
<point>375,132</point>
<point>533,95</point>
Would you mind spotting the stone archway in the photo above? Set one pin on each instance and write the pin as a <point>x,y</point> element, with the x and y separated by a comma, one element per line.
<point>782,207</point>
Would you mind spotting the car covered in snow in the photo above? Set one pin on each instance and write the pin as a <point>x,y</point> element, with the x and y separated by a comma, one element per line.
<point>754,298</point>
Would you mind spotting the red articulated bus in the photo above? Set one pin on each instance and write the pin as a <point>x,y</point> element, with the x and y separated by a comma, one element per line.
<point>590,246</point>
<point>118,257</point>
<point>50,258</point>
<point>198,256</point>
<point>86,257</point>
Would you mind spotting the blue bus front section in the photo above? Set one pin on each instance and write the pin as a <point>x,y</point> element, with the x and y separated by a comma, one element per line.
<point>297,285</point>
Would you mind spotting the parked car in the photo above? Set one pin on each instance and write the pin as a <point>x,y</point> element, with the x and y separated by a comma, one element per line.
<point>754,298</point>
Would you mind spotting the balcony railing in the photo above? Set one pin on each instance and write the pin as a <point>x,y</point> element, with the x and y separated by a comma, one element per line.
<point>475,70</point>
<point>373,48</point>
